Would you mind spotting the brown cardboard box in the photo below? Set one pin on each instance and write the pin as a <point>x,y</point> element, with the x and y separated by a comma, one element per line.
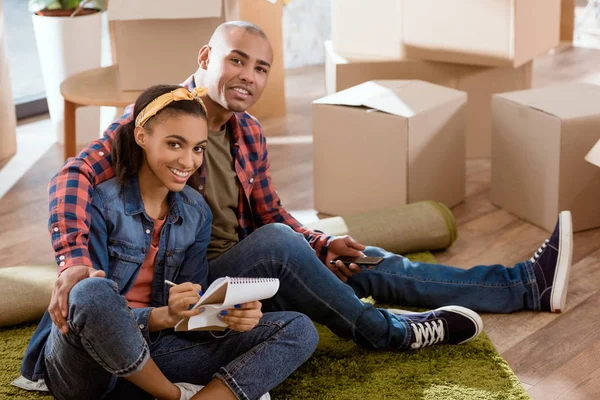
<point>155,43</point>
<point>482,32</point>
<point>387,143</point>
<point>367,30</point>
<point>539,141</point>
<point>479,83</point>
<point>594,155</point>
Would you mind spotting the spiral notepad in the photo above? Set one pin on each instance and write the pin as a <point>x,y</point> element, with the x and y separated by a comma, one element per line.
<point>225,293</point>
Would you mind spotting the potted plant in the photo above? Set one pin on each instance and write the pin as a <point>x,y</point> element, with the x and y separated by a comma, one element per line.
<point>68,34</point>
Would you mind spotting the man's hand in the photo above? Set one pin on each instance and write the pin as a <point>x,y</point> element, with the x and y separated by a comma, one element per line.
<point>343,246</point>
<point>244,317</point>
<point>59,308</point>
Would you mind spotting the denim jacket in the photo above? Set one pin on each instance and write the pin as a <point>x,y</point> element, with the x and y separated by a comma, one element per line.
<point>120,237</point>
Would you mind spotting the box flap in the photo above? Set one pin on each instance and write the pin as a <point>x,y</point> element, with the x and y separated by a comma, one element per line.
<point>126,10</point>
<point>574,100</point>
<point>404,98</point>
<point>594,155</point>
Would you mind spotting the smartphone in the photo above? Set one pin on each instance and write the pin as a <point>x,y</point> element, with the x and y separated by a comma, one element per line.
<point>347,260</point>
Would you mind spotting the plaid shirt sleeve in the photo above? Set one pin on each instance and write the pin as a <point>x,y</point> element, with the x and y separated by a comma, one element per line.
<point>70,195</point>
<point>269,208</point>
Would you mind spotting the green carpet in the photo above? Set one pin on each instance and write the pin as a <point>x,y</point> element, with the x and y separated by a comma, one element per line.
<point>341,370</point>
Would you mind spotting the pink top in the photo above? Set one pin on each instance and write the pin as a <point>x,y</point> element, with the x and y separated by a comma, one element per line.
<point>139,295</point>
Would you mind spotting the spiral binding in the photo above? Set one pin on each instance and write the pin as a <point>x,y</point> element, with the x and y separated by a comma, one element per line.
<point>238,280</point>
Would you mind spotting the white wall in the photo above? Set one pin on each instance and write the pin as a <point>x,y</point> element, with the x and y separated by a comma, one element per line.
<point>306,25</point>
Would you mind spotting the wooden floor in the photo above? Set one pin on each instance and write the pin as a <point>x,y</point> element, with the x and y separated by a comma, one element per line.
<point>556,356</point>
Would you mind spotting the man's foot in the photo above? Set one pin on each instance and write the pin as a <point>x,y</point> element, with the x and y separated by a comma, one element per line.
<point>552,265</point>
<point>444,325</point>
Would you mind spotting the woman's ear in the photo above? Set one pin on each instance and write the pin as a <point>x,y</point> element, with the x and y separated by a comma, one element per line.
<point>140,135</point>
<point>204,56</point>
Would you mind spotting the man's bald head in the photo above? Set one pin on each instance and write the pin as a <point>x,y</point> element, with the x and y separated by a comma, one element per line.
<point>235,65</point>
<point>223,30</point>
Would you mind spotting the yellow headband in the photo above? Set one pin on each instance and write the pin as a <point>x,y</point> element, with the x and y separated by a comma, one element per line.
<point>164,100</point>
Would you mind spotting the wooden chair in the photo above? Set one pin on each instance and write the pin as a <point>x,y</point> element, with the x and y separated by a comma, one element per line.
<point>95,87</point>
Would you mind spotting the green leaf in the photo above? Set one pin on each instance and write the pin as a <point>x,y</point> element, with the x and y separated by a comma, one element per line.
<point>39,5</point>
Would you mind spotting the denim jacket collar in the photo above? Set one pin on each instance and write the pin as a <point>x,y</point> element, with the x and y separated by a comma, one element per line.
<point>135,205</point>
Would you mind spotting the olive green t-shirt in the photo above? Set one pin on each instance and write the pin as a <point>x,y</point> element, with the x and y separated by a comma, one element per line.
<point>221,192</point>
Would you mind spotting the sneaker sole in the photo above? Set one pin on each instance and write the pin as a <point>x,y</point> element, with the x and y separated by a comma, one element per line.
<point>470,314</point>
<point>558,297</point>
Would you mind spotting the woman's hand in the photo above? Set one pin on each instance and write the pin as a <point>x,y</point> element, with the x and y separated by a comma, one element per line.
<point>180,298</point>
<point>244,317</point>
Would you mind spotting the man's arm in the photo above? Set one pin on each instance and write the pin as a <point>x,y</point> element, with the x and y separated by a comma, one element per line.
<point>269,209</point>
<point>70,194</point>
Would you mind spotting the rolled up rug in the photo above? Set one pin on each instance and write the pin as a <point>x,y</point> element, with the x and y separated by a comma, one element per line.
<point>421,226</point>
<point>26,292</point>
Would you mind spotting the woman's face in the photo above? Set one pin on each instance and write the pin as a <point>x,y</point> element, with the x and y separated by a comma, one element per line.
<point>174,149</point>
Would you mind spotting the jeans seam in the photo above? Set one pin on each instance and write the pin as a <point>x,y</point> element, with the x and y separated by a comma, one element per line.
<point>224,376</point>
<point>408,336</point>
<point>284,265</point>
<point>535,289</point>
<point>456,283</point>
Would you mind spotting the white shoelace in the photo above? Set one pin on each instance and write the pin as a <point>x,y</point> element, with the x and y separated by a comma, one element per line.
<point>427,333</point>
<point>538,253</point>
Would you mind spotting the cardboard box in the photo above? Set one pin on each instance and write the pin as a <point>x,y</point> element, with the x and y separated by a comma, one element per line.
<point>387,143</point>
<point>539,141</point>
<point>155,43</point>
<point>482,32</point>
<point>594,155</point>
<point>367,30</point>
<point>479,83</point>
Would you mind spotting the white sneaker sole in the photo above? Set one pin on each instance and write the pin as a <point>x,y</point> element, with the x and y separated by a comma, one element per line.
<point>558,297</point>
<point>470,314</point>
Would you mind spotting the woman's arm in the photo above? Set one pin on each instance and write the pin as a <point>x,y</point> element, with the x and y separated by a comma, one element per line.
<point>192,277</point>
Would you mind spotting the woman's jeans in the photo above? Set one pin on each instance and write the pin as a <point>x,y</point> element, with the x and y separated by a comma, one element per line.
<point>104,344</point>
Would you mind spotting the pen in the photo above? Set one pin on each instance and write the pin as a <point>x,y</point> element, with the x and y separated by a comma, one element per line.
<point>168,282</point>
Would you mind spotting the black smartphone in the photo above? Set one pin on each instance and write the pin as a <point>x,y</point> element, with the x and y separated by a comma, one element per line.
<point>347,260</point>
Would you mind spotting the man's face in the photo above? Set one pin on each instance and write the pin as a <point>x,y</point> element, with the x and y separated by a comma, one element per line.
<point>237,69</point>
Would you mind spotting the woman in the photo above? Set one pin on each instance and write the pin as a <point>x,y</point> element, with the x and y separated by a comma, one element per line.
<point>149,227</point>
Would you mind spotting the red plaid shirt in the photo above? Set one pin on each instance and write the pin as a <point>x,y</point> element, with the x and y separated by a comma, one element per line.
<point>70,191</point>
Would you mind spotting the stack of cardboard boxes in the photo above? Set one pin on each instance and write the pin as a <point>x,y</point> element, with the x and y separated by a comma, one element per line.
<point>479,47</point>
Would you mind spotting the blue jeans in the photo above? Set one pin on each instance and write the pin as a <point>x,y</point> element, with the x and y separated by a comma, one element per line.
<point>104,344</point>
<point>307,286</point>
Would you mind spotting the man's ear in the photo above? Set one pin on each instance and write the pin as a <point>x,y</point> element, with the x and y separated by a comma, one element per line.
<point>141,136</point>
<point>204,56</point>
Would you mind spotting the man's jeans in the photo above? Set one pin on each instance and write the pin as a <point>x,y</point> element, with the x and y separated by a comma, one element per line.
<point>104,344</point>
<point>307,286</point>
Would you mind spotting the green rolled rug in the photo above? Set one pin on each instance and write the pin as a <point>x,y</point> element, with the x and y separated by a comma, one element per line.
<point>411,228</point>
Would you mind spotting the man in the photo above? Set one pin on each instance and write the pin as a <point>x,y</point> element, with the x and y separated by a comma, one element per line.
<point>252,234</point>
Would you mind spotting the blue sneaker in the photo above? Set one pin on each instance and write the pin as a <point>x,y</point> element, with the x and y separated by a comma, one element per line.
<point>552,265</point>
<point>444,325</point>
